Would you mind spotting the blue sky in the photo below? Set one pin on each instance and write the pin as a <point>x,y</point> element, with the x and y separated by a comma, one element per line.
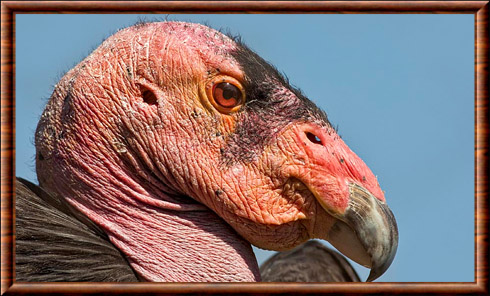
<point>400,88</point>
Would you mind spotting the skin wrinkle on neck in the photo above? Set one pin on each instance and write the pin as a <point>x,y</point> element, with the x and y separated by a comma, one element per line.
<point>153,238</point>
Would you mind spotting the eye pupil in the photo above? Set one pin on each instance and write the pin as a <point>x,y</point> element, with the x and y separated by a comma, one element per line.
<point>227,95</point>
<point>229,92</point>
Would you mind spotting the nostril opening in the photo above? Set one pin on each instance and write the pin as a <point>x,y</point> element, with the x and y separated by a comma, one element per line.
<point>313,138</point>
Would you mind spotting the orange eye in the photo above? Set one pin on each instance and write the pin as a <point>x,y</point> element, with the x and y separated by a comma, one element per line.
<point>227,95</point>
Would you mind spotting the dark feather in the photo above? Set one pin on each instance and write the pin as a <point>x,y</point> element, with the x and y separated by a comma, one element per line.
<point>310,262</point>
<point>54,242</point>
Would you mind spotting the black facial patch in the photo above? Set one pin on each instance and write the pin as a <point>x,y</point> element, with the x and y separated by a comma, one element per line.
<point>271,104</point>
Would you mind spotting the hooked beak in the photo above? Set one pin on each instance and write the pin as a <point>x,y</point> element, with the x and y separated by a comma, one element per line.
<point>367,232</point>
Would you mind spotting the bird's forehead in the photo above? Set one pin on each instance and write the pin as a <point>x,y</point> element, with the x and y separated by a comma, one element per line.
<point>191,34</point>
<point>212,47</point>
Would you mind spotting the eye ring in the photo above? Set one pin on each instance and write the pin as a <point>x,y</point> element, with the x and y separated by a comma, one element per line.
<point>226,94</point>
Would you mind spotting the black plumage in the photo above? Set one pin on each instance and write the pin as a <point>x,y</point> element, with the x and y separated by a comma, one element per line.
<point>54,242</point>
<point>310,262</point>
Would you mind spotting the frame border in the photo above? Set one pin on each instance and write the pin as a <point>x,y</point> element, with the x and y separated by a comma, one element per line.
<point>480,9</point>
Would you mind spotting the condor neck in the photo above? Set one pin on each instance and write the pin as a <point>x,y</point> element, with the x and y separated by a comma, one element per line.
<point>166,246</point>
<point>181,244</point>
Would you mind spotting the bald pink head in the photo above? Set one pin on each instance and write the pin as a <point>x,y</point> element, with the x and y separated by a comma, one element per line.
<point>178,118</point>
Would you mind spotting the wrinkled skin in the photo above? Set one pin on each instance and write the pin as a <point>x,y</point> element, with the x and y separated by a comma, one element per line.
<point>135,124</point>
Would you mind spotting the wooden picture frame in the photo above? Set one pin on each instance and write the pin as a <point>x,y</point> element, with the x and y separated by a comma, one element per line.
<point>480,9</point>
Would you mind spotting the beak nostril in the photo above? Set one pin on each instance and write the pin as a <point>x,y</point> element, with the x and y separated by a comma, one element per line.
<point>313,138</point>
